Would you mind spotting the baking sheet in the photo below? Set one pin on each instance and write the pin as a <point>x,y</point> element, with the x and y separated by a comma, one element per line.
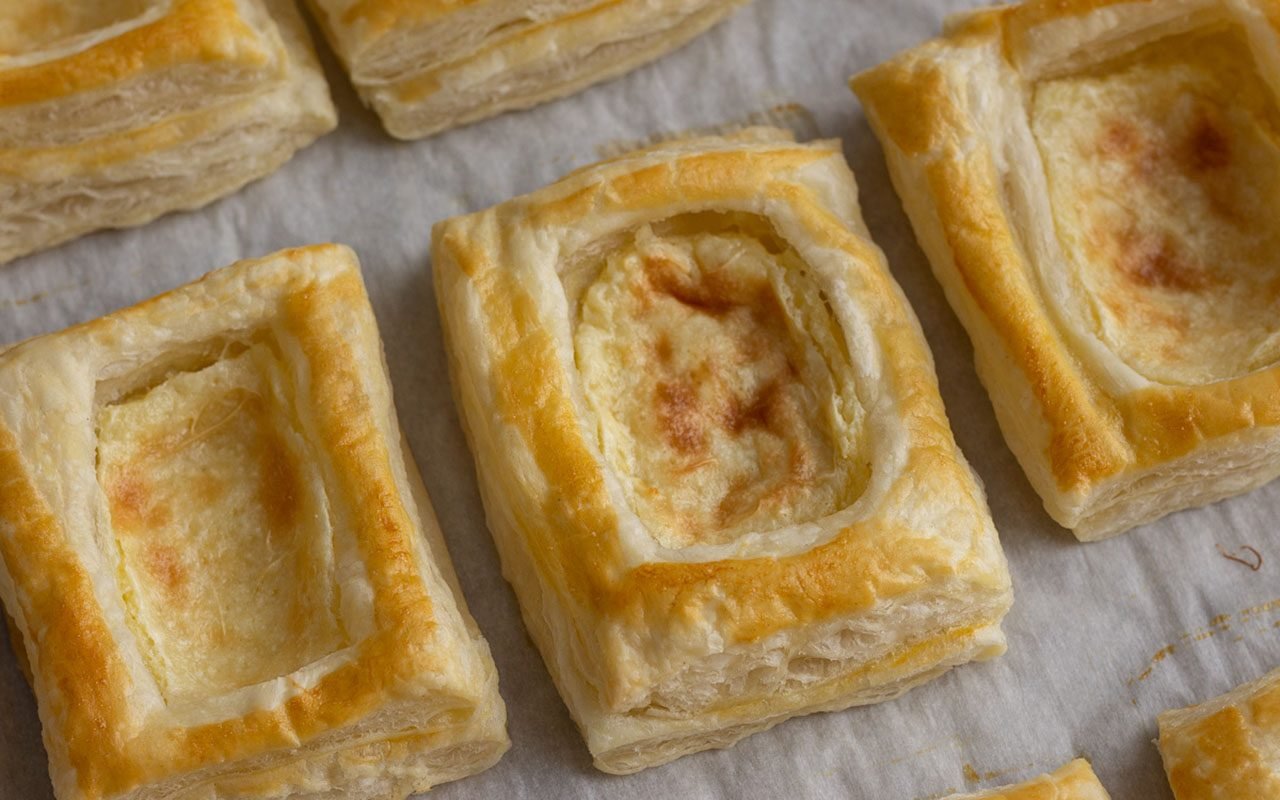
<point>1101,637</point>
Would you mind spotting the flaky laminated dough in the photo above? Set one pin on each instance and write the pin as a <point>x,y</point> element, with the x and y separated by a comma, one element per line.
<point>428,65</point>
<point>1095,184</point>
<point>225,575</point>
<point>711,447</point>
<point>1227,748</point>
<point>1075,781</point>
<point>113,112</point>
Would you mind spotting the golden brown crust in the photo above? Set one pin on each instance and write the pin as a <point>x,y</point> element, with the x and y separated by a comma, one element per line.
<point>579,537</point>
<point>1224,749</point>
<point>192,32</point>
<point>1075,248</point>
<point>99,725</point>
<point>1075,781</point>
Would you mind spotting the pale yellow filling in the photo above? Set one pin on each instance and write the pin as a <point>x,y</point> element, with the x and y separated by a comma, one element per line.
<point>720,384</point>
<point>221,525</point>
<point>1164,176</point>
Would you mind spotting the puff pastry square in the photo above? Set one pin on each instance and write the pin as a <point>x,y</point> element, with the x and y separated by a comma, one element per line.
<point>711,447</point>
<point>1227,748</point>
<point>428,65</point>
<point>1094,182</point>
<point>220,560</point>
<point>113,112</point>
<point>1075,781</point>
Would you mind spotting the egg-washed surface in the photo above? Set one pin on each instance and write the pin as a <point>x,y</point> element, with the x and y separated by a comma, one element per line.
<point>1233,752</point>
<point>30,25</point>
<point>1074,781</point>
<point>213,507</point>
<point>1164,177</point>
<point>719,381</point>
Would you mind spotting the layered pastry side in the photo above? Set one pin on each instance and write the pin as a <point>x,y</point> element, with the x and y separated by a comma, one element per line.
<point>711,447</point>
<point>1227,748</point>
<point>1075,781</point>
<point>220,563</point>
<point>428,65</point>
<point>114,112</point>
<point>1094,184</point>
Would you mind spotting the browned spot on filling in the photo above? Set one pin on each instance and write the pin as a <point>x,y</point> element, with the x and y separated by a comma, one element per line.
<point>1201,152</point>
<point>754,413</point>
<point>165,567</point>
<point>681,416</point>
<point>716,294</point>
<point>209,489</point>
<point>132,503</point>
<point>279,491</point>
<point>662,349</point>
<point>1155,260</point>
<point>1120,140</point>
<point>1208,146</point>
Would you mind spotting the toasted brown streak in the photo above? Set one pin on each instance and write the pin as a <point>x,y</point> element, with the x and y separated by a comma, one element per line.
<point>685,418</point>
<point>279,488</point>
<point>1156,260</point>
<point>164,565</point>
<point>681,416</point>
<point>713,293</point>
<point>1209,146</point>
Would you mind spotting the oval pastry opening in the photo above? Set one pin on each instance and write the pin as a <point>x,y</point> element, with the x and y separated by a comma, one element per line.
<point>719,381</point>
<point>1164,176</point>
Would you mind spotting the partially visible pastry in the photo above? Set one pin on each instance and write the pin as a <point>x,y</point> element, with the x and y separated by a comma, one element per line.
<point>1095,184</point>
<point>1075,781</point>
<point>428,65</point>
<point>222,568</point>
<point>113,112</point>
<point>1227,748</point>
<point>711,447</point>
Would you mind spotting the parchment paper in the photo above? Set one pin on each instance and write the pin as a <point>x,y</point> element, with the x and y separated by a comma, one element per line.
<point>1089,662</point>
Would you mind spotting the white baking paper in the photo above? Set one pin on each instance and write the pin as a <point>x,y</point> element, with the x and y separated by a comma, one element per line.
<point>1102,637</point>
